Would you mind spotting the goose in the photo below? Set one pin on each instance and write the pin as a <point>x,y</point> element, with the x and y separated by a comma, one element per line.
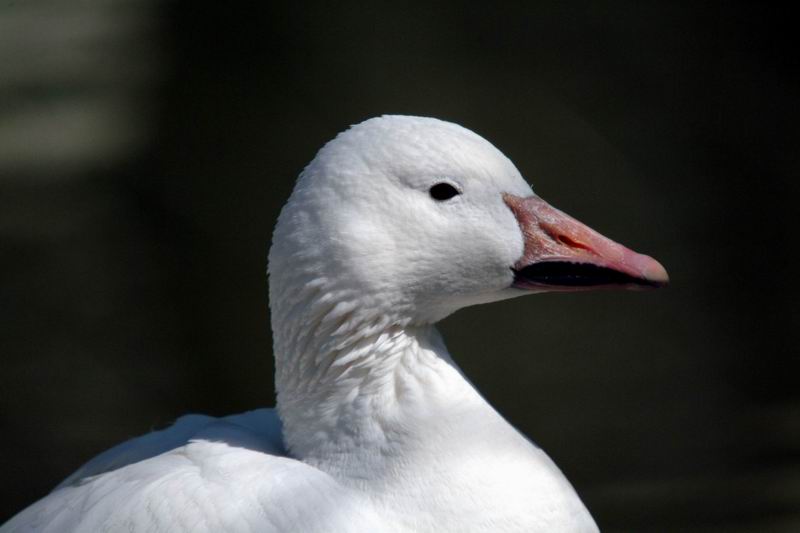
<point>395,224</point>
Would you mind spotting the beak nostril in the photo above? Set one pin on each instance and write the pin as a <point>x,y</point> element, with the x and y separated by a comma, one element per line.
<point>562,239</point>
<point>570,243</point>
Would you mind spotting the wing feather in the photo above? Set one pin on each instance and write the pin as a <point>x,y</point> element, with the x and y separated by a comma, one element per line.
<point>202,474</point>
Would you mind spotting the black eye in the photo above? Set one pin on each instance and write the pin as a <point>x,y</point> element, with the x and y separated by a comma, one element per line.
<point>443,191</point>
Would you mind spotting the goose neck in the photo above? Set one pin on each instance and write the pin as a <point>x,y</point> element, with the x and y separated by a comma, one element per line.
<point>346,398</point>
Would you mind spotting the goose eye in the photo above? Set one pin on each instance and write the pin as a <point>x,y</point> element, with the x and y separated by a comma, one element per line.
<point>443,191</point>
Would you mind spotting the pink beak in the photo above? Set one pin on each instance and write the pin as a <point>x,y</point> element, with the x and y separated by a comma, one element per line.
<point>565,255</point>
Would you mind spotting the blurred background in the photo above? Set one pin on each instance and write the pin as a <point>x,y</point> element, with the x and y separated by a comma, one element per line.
<point>146,148</point>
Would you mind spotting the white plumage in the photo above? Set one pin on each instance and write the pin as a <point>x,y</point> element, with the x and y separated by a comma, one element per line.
<point>378,429</point>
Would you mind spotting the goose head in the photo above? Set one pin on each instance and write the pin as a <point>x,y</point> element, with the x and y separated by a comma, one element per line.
<point>412,218</point>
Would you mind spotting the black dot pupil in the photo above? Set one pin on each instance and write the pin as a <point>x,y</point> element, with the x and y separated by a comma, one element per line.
<point>443,191</point>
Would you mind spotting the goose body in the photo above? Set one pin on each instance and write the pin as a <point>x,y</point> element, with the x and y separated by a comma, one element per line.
<point>395,224</point>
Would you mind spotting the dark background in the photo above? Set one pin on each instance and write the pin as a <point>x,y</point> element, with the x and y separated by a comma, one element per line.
<point>145,149</point>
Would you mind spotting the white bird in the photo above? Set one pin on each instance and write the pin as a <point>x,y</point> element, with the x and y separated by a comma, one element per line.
<point>395,224</point>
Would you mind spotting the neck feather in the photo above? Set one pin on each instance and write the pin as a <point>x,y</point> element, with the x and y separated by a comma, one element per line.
<point>353,384</point>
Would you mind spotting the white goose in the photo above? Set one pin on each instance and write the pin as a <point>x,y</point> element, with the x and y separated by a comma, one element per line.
<point>395,224</point>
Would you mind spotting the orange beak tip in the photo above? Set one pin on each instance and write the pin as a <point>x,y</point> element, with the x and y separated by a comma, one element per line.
<point>657,274</point>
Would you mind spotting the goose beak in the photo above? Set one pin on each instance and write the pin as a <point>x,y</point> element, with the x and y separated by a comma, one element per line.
<point>563,254</point>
